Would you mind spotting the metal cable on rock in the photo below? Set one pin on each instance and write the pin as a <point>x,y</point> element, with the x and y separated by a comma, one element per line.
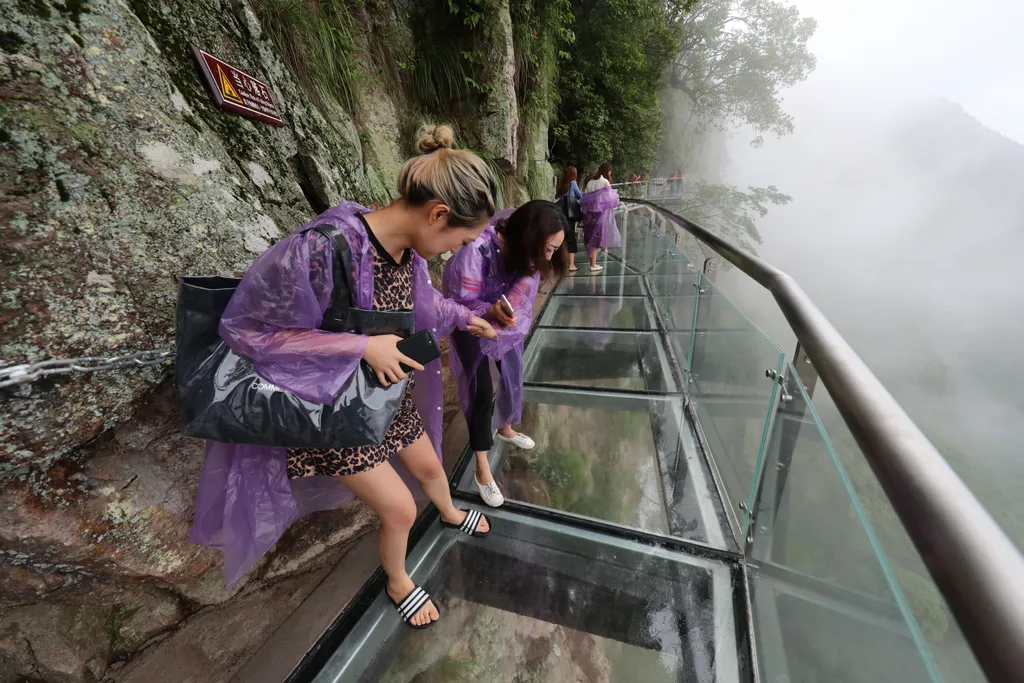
<point>29,372</point>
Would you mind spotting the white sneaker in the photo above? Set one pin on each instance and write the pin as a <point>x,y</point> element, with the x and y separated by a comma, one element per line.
<point>519,440</point>
<point>490,493</point>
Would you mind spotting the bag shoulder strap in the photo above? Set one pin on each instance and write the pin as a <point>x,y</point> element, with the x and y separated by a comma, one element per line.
<point>342,297</point>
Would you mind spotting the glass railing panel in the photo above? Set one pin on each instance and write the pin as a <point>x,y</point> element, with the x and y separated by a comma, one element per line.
<point>731,368</point>
<point>622,285</point>
<point>938,626</point>
<point>605,359</point>
<point>619,313</point>
<point>636,248</point>
<point>541,601</point>
<point>827,603</point>
<point>624,459</point>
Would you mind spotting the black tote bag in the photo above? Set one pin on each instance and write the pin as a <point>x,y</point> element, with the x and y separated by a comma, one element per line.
<point>222,398</point>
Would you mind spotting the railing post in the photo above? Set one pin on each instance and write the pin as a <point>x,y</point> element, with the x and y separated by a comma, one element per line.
<point>792,411</point>
<point>702,303</point>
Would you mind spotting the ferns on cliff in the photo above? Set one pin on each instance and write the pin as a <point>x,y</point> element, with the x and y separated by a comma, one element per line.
<point>315,39</point>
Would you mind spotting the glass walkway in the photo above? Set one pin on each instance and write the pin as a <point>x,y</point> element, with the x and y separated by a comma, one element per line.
<point>684,516</point>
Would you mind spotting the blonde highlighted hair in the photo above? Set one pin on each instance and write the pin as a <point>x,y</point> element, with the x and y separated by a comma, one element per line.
<point>455,177</point>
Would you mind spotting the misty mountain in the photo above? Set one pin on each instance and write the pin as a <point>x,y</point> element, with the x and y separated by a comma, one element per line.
<point>907,229</point>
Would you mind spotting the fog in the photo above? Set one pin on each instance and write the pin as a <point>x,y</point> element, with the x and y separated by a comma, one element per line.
<point>907,221</point>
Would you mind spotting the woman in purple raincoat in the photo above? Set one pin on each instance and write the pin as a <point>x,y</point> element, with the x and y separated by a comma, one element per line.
<point>508,259</point>
<point>598,207</point>
<point>248,495</point>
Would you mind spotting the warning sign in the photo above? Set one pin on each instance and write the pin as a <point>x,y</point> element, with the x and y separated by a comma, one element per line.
<point>226,89</point>
<point>235,90</point>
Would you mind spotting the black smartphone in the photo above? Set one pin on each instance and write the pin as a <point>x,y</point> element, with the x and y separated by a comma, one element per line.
<point>422,347</point>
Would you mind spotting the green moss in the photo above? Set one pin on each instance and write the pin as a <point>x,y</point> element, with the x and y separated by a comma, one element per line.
<point>116,620</point>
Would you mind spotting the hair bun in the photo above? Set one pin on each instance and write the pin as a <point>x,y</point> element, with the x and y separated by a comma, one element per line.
<point>431,138</point>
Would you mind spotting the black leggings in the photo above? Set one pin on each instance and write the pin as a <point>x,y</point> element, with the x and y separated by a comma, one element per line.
<point>570,237</point>
<point>481,409</point>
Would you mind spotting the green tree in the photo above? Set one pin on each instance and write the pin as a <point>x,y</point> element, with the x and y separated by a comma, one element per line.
<point>608,83</point>
<point>735,56</point>
<point>729,211</point>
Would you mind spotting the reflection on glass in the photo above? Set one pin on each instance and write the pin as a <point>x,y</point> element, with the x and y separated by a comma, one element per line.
<point>536,605</point>
<point>482,642</point>
<point>732,366</point>
<point>952,653</point>
<point>611,267</point>
<point>830,597</point>
<point>622,285</point>
<point>633,361</point>
<point>621,313</point>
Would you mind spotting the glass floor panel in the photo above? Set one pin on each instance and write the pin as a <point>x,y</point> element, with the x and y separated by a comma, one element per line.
<point>612,267</point>
<point>542,601</point>
<point>630,361</point>
<point>623,459</point>
<point>621,285</point>
<point>610,312</point>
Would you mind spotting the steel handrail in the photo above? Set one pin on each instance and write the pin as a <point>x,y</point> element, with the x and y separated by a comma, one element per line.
<point>975,565</point>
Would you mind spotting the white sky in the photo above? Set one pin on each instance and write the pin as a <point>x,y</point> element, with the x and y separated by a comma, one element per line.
<point>967,51</point>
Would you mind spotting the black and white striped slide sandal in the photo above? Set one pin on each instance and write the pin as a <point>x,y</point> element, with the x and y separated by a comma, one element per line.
<point>413,603</point>
<point>470,525</point>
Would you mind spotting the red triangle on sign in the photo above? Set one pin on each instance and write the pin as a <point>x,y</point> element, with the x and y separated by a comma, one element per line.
<point>226,89</point>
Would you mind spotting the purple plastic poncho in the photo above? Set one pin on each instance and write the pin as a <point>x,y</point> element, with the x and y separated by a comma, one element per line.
<point>474,277</point>
<point>245,499</point>
<point>599,228</point>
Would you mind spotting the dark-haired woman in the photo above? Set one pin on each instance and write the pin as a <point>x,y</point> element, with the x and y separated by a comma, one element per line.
<point>598,206</point>
<point>569,197</point>
<point>508,260</point>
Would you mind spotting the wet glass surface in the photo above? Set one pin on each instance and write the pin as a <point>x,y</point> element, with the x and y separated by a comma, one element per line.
<point>610,267</point>
<point>626,285</point>
<point>612,312</point>
<point>633,361</point>
<point>627,460</point>
<point>540,602</point>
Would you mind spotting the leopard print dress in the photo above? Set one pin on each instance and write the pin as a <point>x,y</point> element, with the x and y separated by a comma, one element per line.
<point>392,289</point>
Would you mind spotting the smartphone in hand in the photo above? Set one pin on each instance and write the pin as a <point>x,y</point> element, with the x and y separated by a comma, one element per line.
<point>422,347</point>
<point>508,305</point>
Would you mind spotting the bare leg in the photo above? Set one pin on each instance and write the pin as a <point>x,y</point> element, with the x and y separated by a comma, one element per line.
<point>383,490</point>
<point>572,262</point>
<point>423,463</point>
<point>507,432</point>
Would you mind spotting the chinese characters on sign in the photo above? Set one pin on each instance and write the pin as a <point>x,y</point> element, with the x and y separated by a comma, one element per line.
<point>237,91</point>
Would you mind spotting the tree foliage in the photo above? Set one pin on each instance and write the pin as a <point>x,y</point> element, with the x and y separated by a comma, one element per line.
<point>735,56</point>
<point>609,82</point>
<point>730,211</point>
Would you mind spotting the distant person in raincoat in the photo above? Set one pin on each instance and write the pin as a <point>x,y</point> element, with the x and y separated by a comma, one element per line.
<point>509,259</point>
<point>598,205</point>
<point>248,495</point>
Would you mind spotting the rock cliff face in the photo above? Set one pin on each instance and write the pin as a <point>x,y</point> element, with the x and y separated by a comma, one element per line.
<point>117,176</point>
